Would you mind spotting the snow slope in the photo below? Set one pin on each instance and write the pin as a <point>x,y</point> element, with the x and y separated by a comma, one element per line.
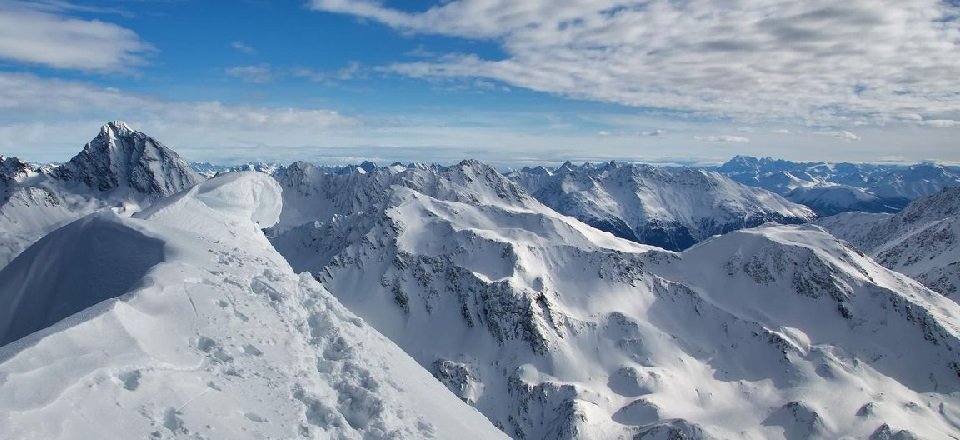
<point>922,241</point>
<point>554,329</point>
<point>209,335</point>
<point>120,168</point>
<point>671,208</point>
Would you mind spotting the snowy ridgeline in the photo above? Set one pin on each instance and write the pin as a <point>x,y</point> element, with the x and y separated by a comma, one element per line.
<point>172,314</point>
<point>922,241</point>
<point>207,333</point>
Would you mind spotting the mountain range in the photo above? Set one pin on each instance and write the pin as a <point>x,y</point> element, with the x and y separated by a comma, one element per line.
<point>830,188</point>
<point>429,301</point>
<point>672,208</point>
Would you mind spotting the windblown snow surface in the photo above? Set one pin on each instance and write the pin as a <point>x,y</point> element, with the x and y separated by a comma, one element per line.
<point>183,322</point>
<point>554,329</point>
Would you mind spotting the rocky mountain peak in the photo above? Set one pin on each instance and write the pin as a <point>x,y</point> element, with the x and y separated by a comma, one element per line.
<point>120,157</point>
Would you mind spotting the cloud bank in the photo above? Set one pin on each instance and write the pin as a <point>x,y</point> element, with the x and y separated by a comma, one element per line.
<point>814,62</point>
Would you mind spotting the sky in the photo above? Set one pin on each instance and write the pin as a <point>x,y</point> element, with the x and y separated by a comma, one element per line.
<point>506,81</point>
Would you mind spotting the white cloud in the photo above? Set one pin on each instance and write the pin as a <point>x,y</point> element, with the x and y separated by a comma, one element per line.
<point>49,120</point>
<point>650,133</point>
<point>34,36</point>
<point>723,139</point>
<point>842,134</point>
<point>815,62</point>
<point>258,74</point>
<point>942,123</point>
<point>353,70</point>
<point>242,47</point>
<point>41,99</point>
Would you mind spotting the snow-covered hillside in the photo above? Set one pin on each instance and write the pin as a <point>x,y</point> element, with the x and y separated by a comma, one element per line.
<point>922,241</point>
<point>120,168</point>
<point>554,329</point>
<point>183,322</point>
<point>830,188</point>
<point>672,208</point>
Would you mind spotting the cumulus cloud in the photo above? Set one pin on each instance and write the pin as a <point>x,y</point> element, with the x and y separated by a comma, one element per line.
<point>723,139</point>
<point>813,62</point>
<point>35,34</point>
<point>258,74</point>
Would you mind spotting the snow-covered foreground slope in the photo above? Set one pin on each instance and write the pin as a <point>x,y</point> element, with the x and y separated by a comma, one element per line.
<point>922,241</point>
<point>556,330</point>
<point>120,168</point>
<point>206,333</point>
<point>672,208</point>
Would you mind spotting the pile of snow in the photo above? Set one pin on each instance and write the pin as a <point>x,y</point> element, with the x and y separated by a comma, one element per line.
<point>203,337</point>
<point>672,208</point>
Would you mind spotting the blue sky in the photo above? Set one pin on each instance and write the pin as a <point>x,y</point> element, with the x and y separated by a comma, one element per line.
<point>503,81</point>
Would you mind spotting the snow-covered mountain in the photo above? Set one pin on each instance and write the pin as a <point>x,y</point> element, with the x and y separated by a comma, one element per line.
<point>183,322</point>
<point>121,158</point>
<point>169,312</point>
<point>830,188</point>
<point>922,241</point>
<point>120,168</point>
<point>672,208</point>
<point>554,329</point>
<point>208,169</point>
